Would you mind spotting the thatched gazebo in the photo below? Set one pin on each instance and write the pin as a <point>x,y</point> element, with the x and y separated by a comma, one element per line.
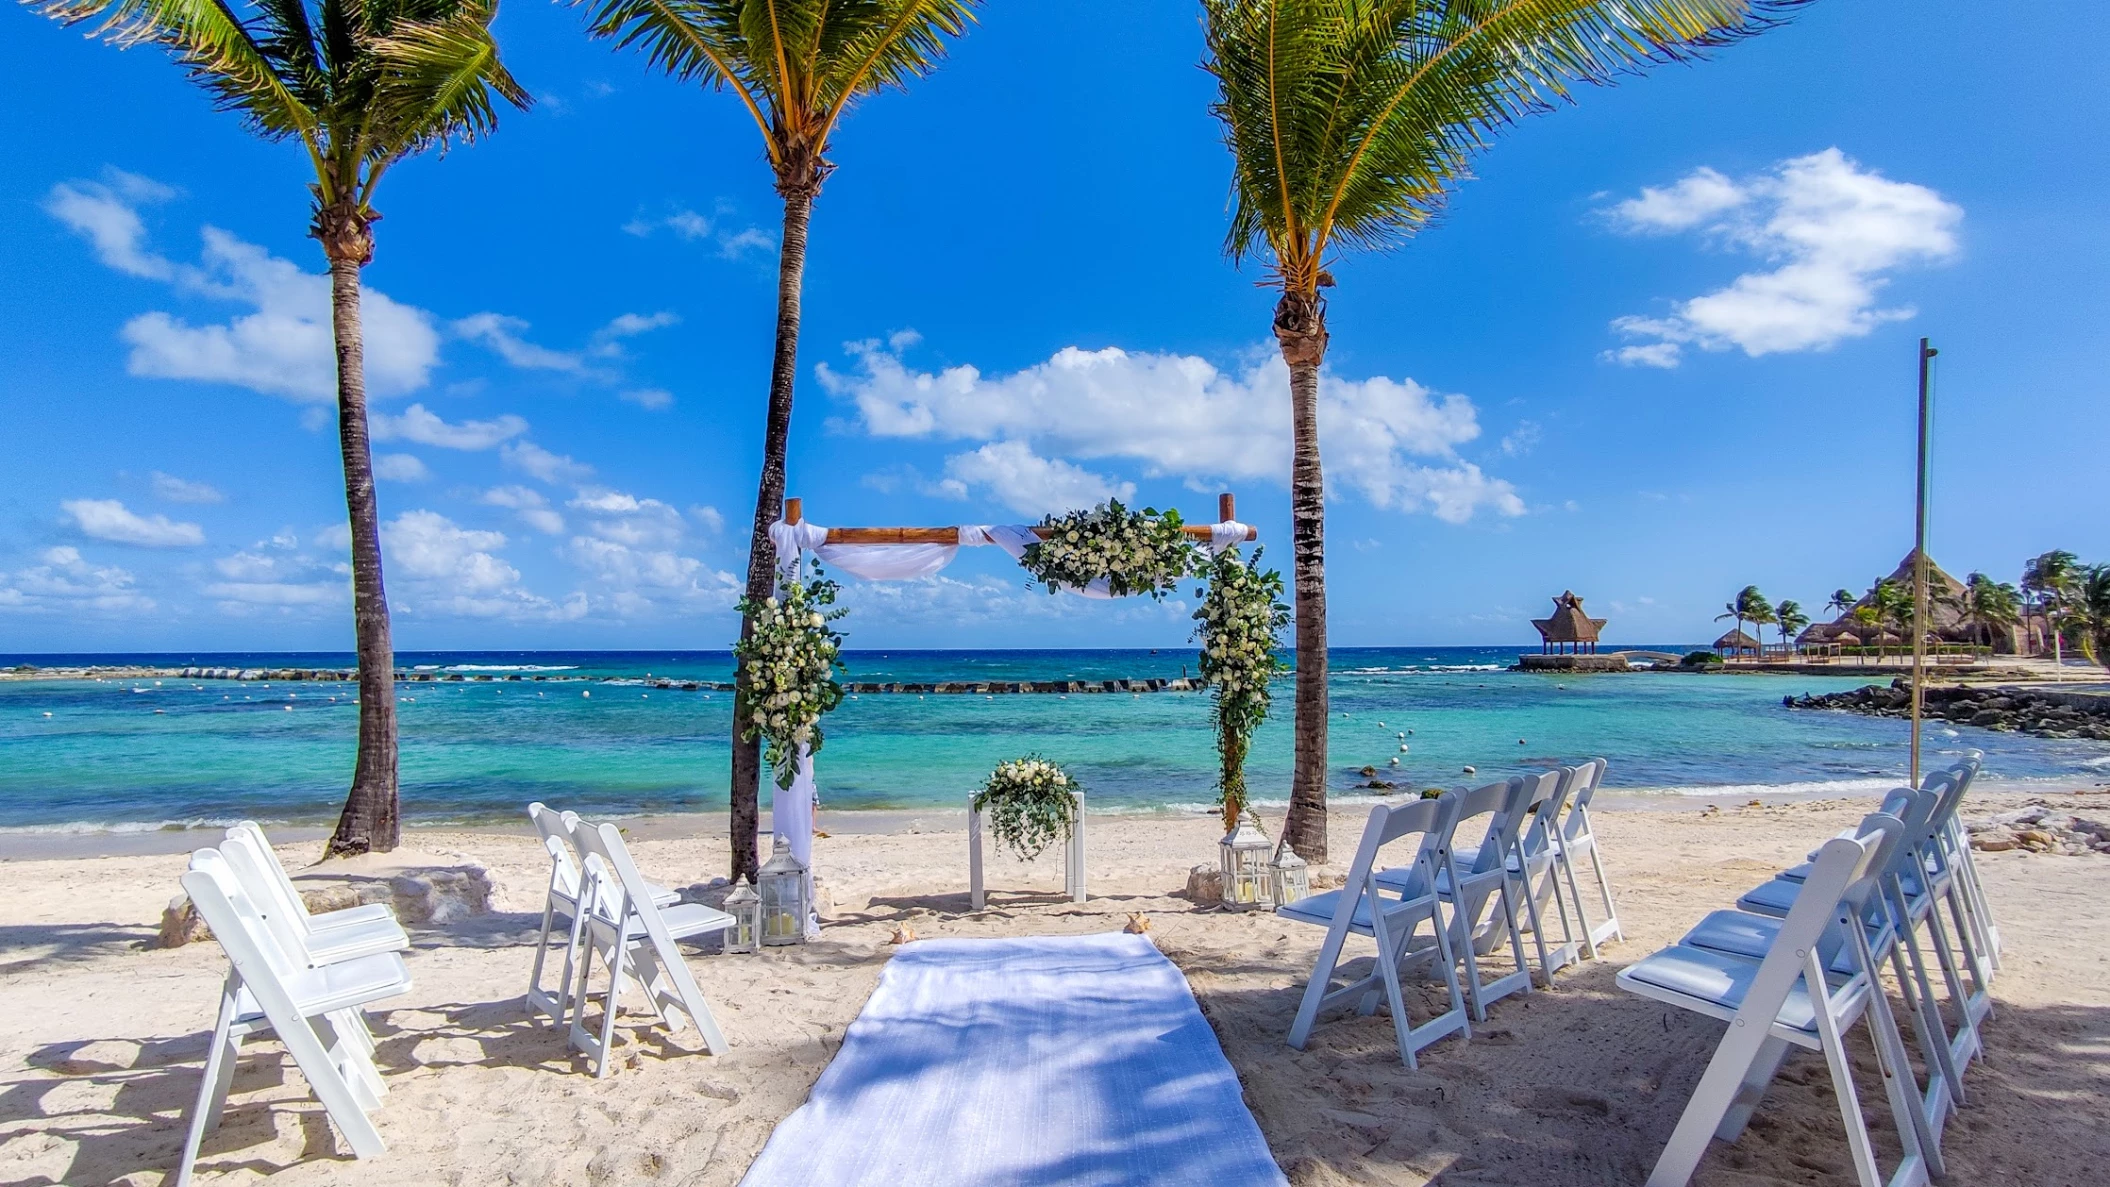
<point>1734,643</point>
<point>1569,631</point>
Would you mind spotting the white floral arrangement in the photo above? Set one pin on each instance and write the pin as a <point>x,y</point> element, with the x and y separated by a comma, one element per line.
<point>788,664</point>
<point>1029,802</point>
<point>1137,552</point>
<point>1240,626</point>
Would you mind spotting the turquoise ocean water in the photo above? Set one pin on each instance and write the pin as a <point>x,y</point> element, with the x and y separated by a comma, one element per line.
<point>78,755</point>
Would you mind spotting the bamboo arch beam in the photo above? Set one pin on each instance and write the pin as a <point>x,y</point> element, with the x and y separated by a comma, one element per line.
<point>794,511</point>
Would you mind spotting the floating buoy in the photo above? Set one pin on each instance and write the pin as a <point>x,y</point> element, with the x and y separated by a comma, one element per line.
<point>585,692</point>
<point>1520,741</point>
<point>1410,731</point>
<point>1402,737</point>
<point>1380,725</point>
<point>1560,686</point>
<point>159,712</point>
<point>1395,762</point>
<point>1471,771</point>
<point>1402,747</point>
<point>47,712</point>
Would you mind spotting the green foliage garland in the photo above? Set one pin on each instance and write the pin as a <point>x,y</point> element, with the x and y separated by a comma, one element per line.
<point>1240,626</point>
<point>1029,802</point>
<point>1136,552</point>
<point>787,670</point>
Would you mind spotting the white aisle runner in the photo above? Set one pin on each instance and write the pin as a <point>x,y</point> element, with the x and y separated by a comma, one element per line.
<point>1038,1060</point>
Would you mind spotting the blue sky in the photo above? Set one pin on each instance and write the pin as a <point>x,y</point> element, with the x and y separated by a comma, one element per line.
<point>1660,348</point>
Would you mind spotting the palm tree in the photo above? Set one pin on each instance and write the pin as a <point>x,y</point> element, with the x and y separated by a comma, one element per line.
<point>1869,618</point>
<point>2048,581</point>
<point>1349,122</point>
<point>361,87</point>
<point>797,67</point>
<point>1985,605</point>
<point>1790,618</point>
<point>2088,611</point>
<point>1842,600</point>
<point>1748,604</point>
<point>1892,601</point>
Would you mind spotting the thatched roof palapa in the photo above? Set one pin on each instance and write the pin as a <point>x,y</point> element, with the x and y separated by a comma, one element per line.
<point>1736,640</point>
<point>1569,624</point>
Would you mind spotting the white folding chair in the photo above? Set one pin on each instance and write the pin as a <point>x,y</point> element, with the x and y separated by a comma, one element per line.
<point>314,1011</point>
<point>1574,840</point>
<point>635,938</point>
<point>1956,847</point>
<point>1742,933</point>
<point>316,940</point>
<point>1533,862</point>
<point>1360,907</point>
<point>1476,882</point>
<point>562,899</point>
<point>1791,997</point>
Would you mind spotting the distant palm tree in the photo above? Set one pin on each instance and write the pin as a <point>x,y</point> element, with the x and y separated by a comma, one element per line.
<point>1842,600</point>
<point>2088,611</point>
<point>2048,582</point>
<point>1985,605</point>
<point>1349,123</point>
<point>797,67</point>
<point>1748,604</point>
<point>1790,618</point>
<point>1893,605</point>
<point>1869,618</point>
<point>361,87</point>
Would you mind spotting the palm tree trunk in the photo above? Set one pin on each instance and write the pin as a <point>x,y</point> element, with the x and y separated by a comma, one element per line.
<point>1300,327</point>
<point>371,820</point>
<point>769,500</point>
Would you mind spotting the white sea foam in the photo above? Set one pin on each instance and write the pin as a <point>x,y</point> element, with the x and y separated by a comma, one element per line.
<point>502,667</point>
<point>86,827</point>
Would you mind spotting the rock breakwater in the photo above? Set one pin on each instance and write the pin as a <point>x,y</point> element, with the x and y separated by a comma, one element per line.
<point>2045,713</point>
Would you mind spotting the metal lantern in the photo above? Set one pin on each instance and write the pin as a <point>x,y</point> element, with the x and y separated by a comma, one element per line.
<point>1290,875</point>
<point>1243,858</point>
<point>782,885</point>
<point>745,906</point>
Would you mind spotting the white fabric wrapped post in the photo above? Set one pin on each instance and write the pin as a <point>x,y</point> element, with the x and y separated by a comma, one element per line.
<point>791,817</point>
<point>1073,870</point>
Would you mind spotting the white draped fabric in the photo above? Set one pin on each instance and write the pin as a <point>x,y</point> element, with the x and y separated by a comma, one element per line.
<point>791,817</point>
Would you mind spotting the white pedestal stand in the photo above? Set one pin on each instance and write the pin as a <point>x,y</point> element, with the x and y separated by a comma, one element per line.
<point>1073,872</point>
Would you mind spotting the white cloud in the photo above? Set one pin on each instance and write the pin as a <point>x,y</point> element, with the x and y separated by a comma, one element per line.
<point>709,517</point>
<point>630,325</point>
<point>1522,439</point>
<point>690,226</point>
<point>535,461</point>
<point>107,216</point>
<point>65,581</point>
<point>501,334</point>
<point>1832,231</point>
<point>528,503</point>
<point>1180,415</point>
<point>632,548</point>
<point>626,519</point>
<point>426,428</point>
<point>652,399</point>
<point>1026,482</point>
<point>401,467</point>
<point>288,583</point>
<point>109,519</point>
<point>170,488</point>
<point>449,570</point>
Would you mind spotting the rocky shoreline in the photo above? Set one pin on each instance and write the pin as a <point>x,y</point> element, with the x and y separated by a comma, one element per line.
<point>2045,713</point>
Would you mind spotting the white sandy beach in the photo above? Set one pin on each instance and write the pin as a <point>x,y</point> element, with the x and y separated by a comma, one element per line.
<point>101,1039</point>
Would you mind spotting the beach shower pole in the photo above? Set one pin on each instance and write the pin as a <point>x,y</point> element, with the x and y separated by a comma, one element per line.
<point>1919,569</point>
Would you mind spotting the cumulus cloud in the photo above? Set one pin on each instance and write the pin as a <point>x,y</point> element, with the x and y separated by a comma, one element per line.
<point>533,460</point>
<point>282,347</point>
<point>1179,415</point>
<point>401,467</point>
<point>633,549</point>
<point>109,519</point>
<point>528,504</point>
<point>424,427</point>
<point>169,488</point>
<point>652,399</point>
<point>1026,482</point>
<point>66,581</point>
<point>1831,232</point>
<point>450,570</point>
<point>251,581</point>
<point>502,335</point>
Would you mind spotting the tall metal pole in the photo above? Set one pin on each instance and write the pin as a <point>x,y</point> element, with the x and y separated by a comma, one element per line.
<point>1919,569</point>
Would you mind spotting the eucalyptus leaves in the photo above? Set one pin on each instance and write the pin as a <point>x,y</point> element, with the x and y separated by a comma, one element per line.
<point>1136,552</point>
<point>787,671</point>
<point>1029,802</point>
<point>1240,625</point>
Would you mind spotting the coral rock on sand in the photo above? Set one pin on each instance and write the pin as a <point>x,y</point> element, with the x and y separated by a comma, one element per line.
<point>1138,923</point>
<point>1205,886</point>
<point>2039,828</point>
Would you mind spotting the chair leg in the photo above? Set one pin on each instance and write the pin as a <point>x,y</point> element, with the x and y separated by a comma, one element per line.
<point>1604,889</point>
<point>1462,938</point>
<point>213,1085</point>
<point>1711,1101</point>
<point>1919,1137</point>
<point>1315,988</point>
<point>1538,929</point>
<point>603,1062</point>
<point>1931,1031</point>
<point>1516,938</point>
<point>1582,915</point>
<point>1752,1088</point>
<point>1859,1145</point>
<point>1388,972</point>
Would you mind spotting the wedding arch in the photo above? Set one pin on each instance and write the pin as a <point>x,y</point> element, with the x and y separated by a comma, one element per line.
<point>904,554</point>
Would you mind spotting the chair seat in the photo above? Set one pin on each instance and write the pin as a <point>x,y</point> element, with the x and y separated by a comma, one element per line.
<point>351,917</point>
<point>661,896</point>
<point>1778,896</point>
<point>1319,909</point>
<point>348,943</point>
<point>1740,933</point>
<point>1714,979</point>
<point>1404,881</point>
<point>683,920</point>
<point>336,987</point>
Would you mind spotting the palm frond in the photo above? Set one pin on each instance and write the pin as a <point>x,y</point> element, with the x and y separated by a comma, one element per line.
<point>242,71</point>
<point>435,81</point>
<point>1352,120</point>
